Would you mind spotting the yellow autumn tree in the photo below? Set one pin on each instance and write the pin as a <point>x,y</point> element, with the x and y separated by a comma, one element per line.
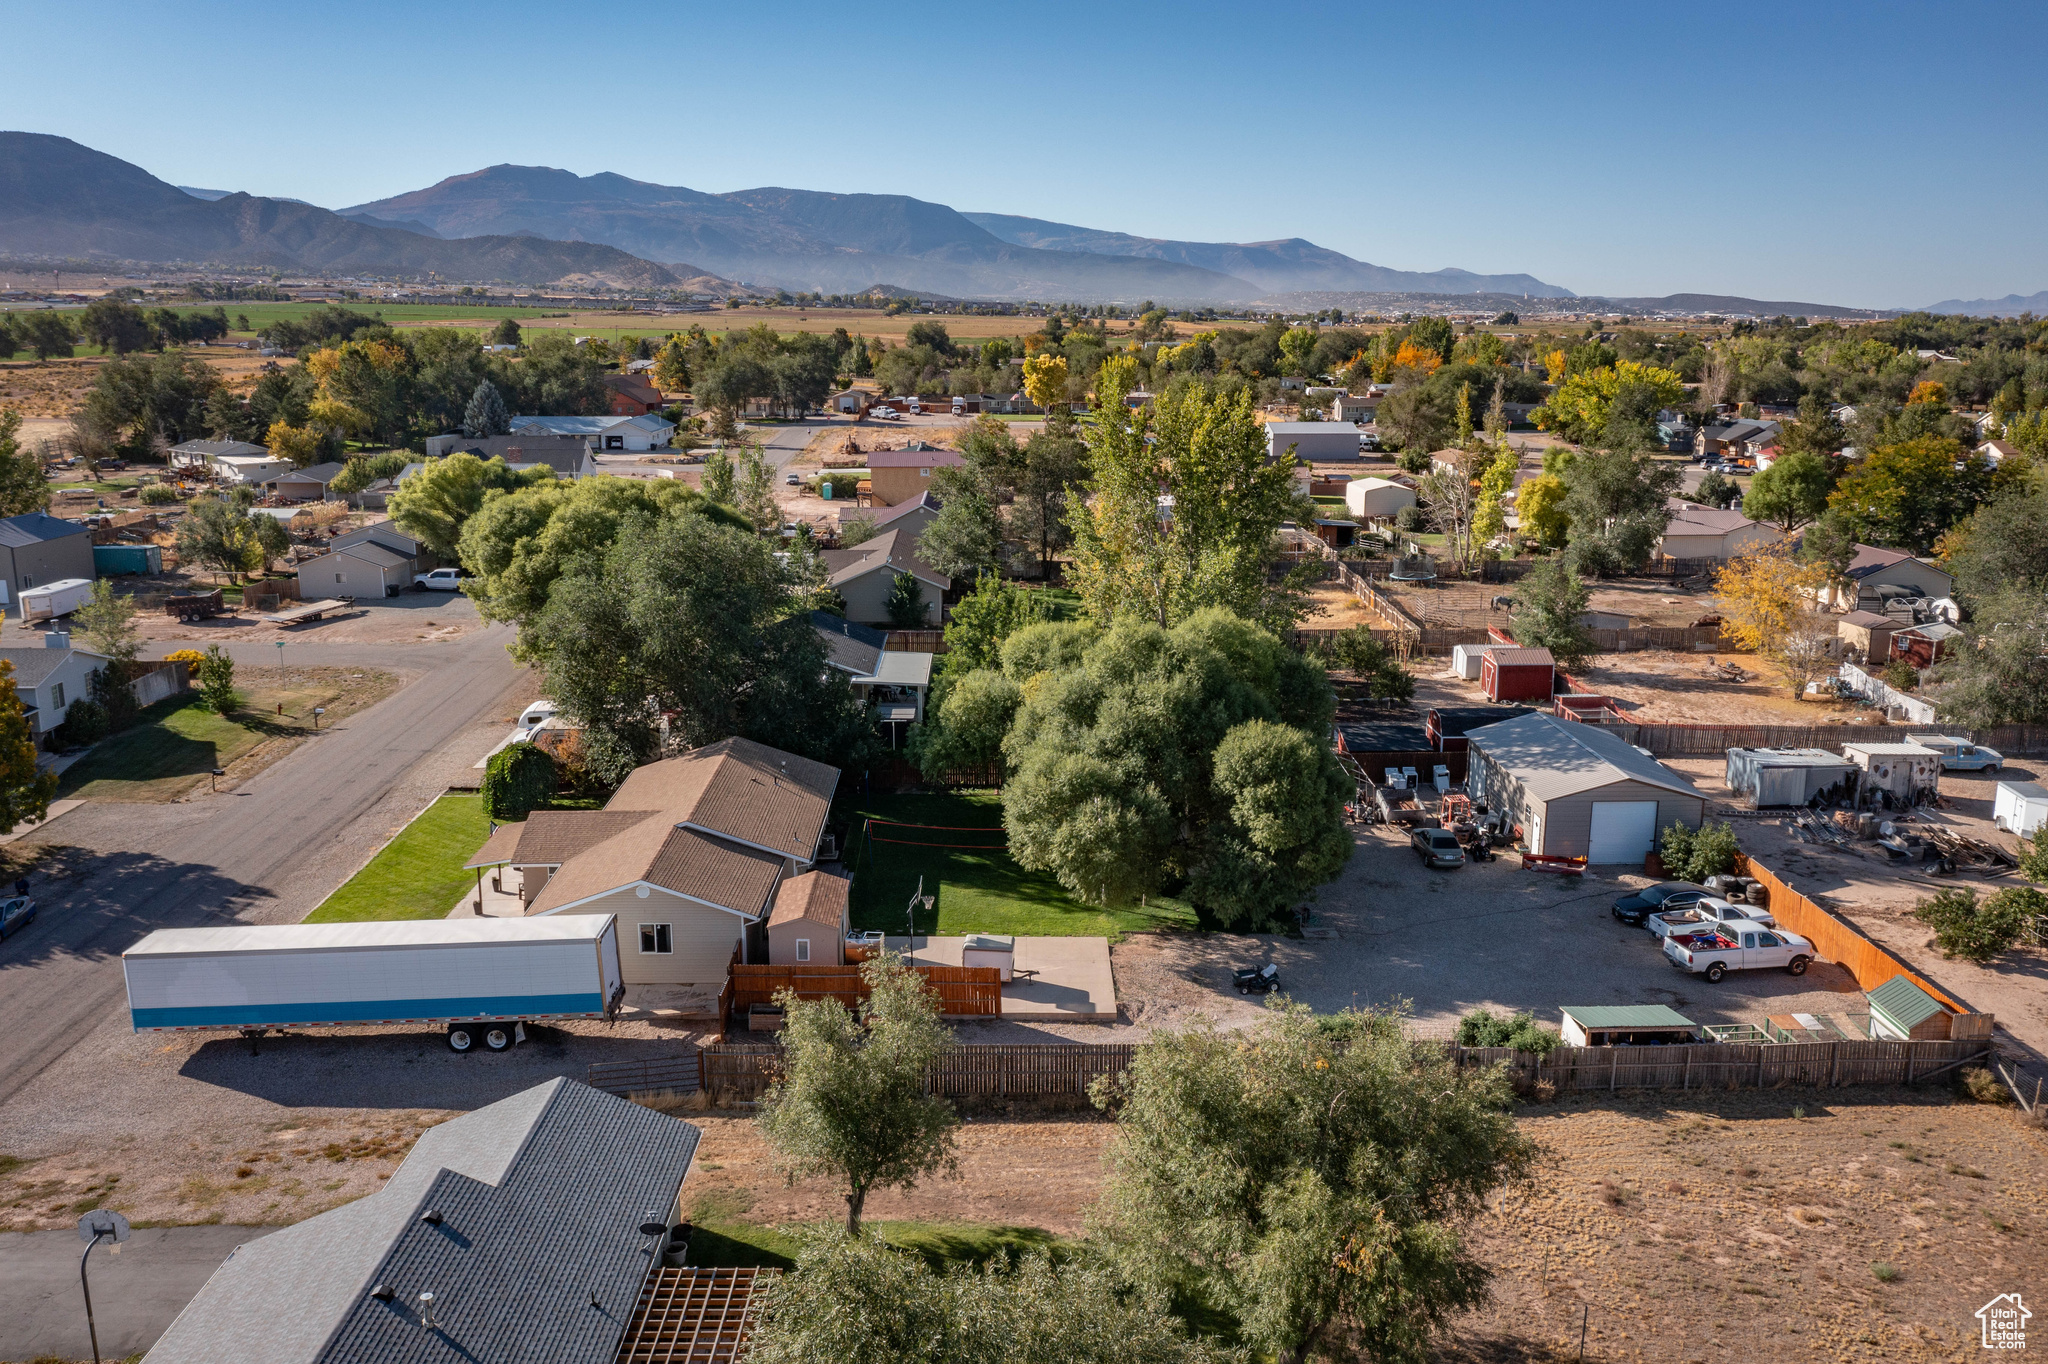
<point>1045,380</point>
<point>1770,606</point>
<point>1422,359</point>
<point>1540,506</point>
<point>299,444</point>
<point>1928,391</point>
<point>1554,366</point>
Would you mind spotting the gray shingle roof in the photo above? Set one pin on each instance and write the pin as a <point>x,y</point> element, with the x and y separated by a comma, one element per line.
<point>849,647</point>
<point>37,528</point>
<point>32,666</point>
<point>540,1196</point>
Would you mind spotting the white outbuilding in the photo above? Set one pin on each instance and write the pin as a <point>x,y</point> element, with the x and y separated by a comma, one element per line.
<point>1367,498</point>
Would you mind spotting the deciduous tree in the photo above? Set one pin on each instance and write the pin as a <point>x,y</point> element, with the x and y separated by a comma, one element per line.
<point>851,1102</point>
<point>1310,1176</point>
<point>1770,603</point>
<point>1904,496</point>
<point>435,503</point>
<point>1548,605</point>
<point>1792,492</point>
<point>24,487</point>
<point>25,788</point>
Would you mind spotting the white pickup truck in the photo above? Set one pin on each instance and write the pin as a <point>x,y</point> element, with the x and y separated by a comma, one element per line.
<point>1705,912</point>
<point>440,580</point>
<point>1741,946</point>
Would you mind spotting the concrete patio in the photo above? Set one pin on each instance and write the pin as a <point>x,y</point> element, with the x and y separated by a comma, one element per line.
<point>1056,980</point>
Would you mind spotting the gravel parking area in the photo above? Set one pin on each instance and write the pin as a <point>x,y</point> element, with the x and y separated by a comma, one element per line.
<point>1486,934</point>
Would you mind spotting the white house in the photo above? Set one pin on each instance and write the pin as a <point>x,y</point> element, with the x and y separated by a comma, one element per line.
<point>49,679</point>
<point>640,433</point>
<point>1698,532</point>
<point>232,461</point>
<point>1996,452</point>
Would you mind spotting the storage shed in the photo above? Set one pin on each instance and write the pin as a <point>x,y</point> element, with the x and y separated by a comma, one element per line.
<point>1312,442</point>
<point>809,922</point>
<point>1577,790</point>
<point>1901,1011</point>
<point>114,561</point>
<point>1784,776</point>
<point>1466,659</point>
<point>1925,645</point>
<point>1625,1025</point>
<point>2020,807</point>
<point>1376,497</point>
<point>1866,636</point>
<point>1515,674</point>
<point>1903,771</point>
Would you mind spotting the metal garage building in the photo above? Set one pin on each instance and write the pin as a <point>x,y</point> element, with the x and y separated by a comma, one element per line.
<point>1578,791</point>
<point>1785,776</point>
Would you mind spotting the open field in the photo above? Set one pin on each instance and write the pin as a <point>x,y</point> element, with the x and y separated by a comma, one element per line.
<point>171,750</point>
<point>976,886</point>
<point>418,874</point>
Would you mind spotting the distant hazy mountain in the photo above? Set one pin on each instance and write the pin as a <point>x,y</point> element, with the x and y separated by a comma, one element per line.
<point>2012,305</point>
<point>60,198</point>
<point>795,239</point>
<point>211,194</point>
<point>1290,266</point>
<point>1728,303</point>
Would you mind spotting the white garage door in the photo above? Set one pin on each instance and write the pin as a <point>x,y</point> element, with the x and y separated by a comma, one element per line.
<point>1623,830</point>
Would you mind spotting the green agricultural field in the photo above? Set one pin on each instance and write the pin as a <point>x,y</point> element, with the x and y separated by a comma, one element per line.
<point>977,887</point>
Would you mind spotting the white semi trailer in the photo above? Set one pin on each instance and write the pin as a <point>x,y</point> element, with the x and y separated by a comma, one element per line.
<point>483,978</point>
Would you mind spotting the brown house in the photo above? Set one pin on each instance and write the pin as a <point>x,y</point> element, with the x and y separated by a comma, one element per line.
<point>903,475</point>
<point>1867,637</point>
<point>633,396</point>
<point>689,854</point>
<point>809,923</point>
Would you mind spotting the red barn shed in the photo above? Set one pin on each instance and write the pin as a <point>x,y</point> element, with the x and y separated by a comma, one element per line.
<point>1925,645</point>
<point>1517,674</point>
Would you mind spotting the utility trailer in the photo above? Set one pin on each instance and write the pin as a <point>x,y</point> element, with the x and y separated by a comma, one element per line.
<point>195,605</point>
<point>483,978</point>
<point>312,610</point>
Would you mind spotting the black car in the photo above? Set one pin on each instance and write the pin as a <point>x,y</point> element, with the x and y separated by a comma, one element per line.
<point>1637,908</point>
<point>1437,848</point>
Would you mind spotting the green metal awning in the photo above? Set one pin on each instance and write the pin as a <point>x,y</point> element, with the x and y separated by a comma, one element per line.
<point>1626,1016</point>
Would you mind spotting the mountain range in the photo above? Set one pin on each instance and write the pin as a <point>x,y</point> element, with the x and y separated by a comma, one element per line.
<point>2012,305</point>
<point>58,198</point>
<point>837,243</point>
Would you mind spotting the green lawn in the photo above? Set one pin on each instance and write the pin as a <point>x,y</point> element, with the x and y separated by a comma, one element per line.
<point>977,888</point>
<point>418,874</point>
<point>170,749</point>
<point>724,1238</point>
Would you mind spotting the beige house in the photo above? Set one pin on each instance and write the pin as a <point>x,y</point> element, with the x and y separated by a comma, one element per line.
<point>809,923</point>
<point>901,475</point>
<point>689,854</point>
<point>864,576</point>
<point>1701,532</point>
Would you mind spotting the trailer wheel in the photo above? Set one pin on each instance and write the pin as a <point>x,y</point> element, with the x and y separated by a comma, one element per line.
<point>498,1038</point>
<point>1716,970</point>
<point>1796,966</point>
<point>461,1037</point>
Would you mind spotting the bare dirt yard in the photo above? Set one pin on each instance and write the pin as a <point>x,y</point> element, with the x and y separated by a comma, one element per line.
<point>56,388</point>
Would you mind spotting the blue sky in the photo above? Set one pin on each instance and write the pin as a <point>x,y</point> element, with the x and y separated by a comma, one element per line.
<point>1874,154</point>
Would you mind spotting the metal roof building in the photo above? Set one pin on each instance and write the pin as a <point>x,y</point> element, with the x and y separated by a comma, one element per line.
<point>1784,776</point>
<point>1623,1024</point>
<point>1902,1011</point>
<point>1577,790</point>
<point>521,1219</point>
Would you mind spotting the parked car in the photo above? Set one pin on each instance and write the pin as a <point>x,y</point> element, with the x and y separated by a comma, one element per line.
<point>440,580</point>
<point>16,913</point>
<point>1706,913</point>
<point>1665,895</point>
<point>793,481</point>
<point>1739,947</point>
<point>1437,848</point>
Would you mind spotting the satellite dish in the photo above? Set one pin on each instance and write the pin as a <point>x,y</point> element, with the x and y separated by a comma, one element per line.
<point>101,1222</point>
<point>654,1228</point>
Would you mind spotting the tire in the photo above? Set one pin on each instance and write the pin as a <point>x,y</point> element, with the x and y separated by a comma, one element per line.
<point>1714,972</point>
<point>1797,966</point>
<point>498,1037</point>
<point>461,1038</point>
<point>1244,989</point>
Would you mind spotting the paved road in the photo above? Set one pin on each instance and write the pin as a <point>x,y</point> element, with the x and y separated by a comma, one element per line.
<point>250,855</point>
<point>138,1290</point>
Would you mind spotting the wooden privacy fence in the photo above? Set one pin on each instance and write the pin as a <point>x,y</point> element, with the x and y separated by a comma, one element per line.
<point>964,991</point>
<point>972,1071</point>
<point>1732,1065</point>
<point>682,1073</point>
<point>1834,938</point>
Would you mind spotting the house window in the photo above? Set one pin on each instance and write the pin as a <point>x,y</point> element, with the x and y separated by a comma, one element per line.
<point>57,696</point>
<point>654,940</point>
<point>803,949</point>
<point>924,473</point>
<point>338,578</point>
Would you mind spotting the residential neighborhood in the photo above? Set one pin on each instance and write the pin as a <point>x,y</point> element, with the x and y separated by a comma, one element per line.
<point>599,766</point>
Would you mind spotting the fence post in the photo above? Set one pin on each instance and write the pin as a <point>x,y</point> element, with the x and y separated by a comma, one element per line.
<point>1834,1062</point>
<point>1759,1068</point>
<point>1685,1080</point>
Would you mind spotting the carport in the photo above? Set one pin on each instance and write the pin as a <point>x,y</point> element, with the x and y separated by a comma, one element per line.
<point>1578,791</point>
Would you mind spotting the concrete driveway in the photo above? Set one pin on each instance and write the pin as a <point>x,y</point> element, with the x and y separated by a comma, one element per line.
<point>138,1288</point>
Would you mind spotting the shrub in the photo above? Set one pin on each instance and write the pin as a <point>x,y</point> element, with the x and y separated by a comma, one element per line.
<point>1986,1088</point>
<point>85,722</point>
<point>1901,675</point>
<point>1884,1273</point>
<point>191,658</point>
<point>158,495</point>
<point>1979,932</point>
<point>1409,519</point>
<point>1696,854</point>
<point>517,781</point>
<point>1484,1028</point>
<point>217,681</point>
<point>1356,650</point>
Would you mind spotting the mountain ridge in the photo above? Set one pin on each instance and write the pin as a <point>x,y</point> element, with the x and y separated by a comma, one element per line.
<point>2012,305</point>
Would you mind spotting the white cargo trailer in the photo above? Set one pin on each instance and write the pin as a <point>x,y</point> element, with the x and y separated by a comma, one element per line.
<point>481,977</point>
<point>52,600</point>
<point>2020,807</point>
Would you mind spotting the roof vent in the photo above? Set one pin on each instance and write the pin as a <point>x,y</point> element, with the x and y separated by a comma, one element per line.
<point>431,1218</point>
<point>382,1292</point>
<point>427,1322</point>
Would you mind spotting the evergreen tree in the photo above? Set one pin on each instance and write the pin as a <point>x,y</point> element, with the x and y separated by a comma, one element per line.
<point>486,414</point>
